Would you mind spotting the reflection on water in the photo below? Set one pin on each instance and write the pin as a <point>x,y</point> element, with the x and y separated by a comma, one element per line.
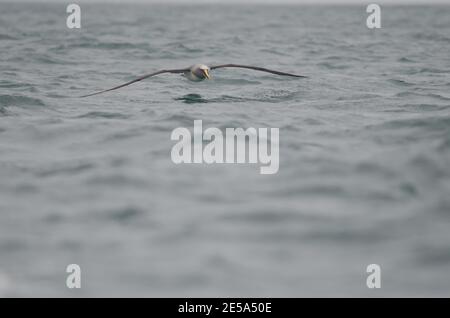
<point>192,99</point>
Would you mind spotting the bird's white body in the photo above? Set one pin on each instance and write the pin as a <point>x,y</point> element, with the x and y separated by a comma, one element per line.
<point>196,73</point>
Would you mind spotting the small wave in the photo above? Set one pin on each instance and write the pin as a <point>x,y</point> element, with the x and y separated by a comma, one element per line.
<point>183,48</point>
<point>431,37</point>
<point>125,134</point>
<point>433,255</point>
<point>405,60</point>
<point>7,37</point>
<point>14,100</point>
<point>107,115</point>
<point>333,66</point>
<point>358,97</point>
<point>433,123</point>
<point>433,70</point>
<point>263,217</point>
<point>231,124</point>
<point>438,96</point>
<point>46,59</point>
<point>348,235</point>
<point>65,169</point>
<point>231,99</point>
<point>94,44</point>
<point>422,70</point>
<point>400,82</point>
<point>3,112</point>
<point>117,180</point>
<point>273,96</point>
<point>331,190</point>
<point>8,84</point>
<point>236,81</point>
<point>125,214</point>
<point>274,51</point>
<point>180,119</point>
<point>425,107</point>
<point>444,145</point>
<point>414,94</point>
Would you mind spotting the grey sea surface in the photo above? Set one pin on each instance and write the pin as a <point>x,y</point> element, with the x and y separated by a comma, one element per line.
<point>364,151</point>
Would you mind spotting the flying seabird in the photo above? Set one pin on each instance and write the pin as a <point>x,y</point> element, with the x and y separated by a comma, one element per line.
<point>196,73</point>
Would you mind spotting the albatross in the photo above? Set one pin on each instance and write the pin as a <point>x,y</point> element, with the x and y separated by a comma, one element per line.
<point>196,73</point>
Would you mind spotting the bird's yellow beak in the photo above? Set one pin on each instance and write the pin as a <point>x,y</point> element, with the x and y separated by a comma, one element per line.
<point>206,72</point>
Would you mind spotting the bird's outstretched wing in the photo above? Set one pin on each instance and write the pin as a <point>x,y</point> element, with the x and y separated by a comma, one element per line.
<point>137,80</point>
<point>256,68</point>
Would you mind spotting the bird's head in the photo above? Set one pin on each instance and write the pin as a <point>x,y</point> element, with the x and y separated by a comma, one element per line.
<point>202,71</point>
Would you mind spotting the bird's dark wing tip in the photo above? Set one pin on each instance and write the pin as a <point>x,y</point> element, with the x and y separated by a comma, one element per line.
<point>83,96</point>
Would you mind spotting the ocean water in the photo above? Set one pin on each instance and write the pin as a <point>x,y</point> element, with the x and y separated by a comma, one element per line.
<point>364,171</point>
